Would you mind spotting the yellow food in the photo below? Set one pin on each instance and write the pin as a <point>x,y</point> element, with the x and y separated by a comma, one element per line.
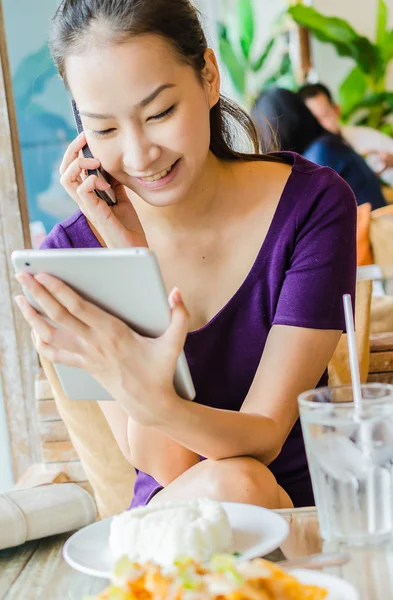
<point>221,579</point>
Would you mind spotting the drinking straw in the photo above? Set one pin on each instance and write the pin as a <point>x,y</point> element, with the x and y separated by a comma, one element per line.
<point>364,429</point>
<point>353,353</point>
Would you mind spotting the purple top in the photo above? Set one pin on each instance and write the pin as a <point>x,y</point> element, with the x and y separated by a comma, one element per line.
<point>306,263</point>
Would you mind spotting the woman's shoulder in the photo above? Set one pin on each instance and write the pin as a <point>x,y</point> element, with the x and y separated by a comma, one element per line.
<point>310,183</point>
<point>302,167</point>
<point>73,232</point>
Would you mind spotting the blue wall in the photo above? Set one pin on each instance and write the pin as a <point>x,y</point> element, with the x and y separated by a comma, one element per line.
<point>43,111</point>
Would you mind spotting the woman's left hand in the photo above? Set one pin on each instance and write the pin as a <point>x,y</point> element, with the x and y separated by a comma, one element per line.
<point>135,370</point>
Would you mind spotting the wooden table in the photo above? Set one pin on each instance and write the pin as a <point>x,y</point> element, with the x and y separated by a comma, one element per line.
<point>37,571</point>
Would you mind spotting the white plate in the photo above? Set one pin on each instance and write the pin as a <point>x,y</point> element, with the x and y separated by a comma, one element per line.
<point>257,531</point>
<point>338,588</point>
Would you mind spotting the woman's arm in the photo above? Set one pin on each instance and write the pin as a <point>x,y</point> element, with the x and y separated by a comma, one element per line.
<point>146,448</point>
<point>293,361</point>
<point>158,454</point>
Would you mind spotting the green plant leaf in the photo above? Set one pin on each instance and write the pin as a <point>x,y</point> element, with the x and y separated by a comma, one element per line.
<point>257,66</point>
<point>352,91</point>
<point>230,60</point>
<point>374,100</point>
<point>384,37</point>
<point>344,38</point>
<point>387,129</point>
<point>387,48</point>
<point>245,18</point>
<point>284,76</point>
<point>382,22</point>
<point>377,107</point>
<point>286,64</point>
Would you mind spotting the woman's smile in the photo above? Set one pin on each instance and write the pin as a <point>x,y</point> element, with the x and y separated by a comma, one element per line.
<point>161,179</point>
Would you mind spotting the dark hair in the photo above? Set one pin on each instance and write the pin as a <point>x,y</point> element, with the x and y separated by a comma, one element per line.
<point>288,118</point>
<point>310,90</point>
<point>79,24</point>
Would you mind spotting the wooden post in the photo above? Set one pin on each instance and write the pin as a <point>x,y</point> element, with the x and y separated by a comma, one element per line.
<point>18,359</point>
<point>305,53</point>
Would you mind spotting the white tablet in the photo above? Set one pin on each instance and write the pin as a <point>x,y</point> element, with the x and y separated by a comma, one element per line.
<point>126,283</point>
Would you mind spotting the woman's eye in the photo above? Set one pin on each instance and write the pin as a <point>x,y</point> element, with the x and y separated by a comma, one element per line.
<point>102,133</point>
<point>163,114</point>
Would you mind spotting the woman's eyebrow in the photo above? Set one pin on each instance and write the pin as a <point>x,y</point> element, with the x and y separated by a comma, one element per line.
<point>142,104</point>
<point>154,94</point>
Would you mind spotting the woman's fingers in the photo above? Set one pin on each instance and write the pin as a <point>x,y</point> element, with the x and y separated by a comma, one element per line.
<point>175,335</point>
<point>106,220</point>
<point>72,178</point>
<point>73,173</point>
<point>58,355</point>
<point>91,183</point>
<point>96,210</point>
<point>84,316</point>
<point>56,338</point>
<point>53,309</point>
<point>34,319</point>
<point>118,226</point>
<point>72,152</point>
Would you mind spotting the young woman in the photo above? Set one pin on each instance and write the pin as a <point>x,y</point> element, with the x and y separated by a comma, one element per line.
<point>297,129</point>
<point>261,247</point>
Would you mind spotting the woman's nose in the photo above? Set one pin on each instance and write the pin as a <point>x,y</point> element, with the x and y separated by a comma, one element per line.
<point>139,154</point>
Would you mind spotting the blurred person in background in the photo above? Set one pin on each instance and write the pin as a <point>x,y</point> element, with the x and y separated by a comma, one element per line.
<point>365,140</point>
<point>281,114</point>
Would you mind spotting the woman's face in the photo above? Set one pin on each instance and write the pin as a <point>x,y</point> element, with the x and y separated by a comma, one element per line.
<point>146,115</point>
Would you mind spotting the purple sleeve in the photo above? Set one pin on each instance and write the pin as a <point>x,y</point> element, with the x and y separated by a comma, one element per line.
<point>57,238</point>
<point>323,263</point>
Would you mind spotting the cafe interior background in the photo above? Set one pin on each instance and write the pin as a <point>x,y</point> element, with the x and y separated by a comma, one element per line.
<point>46,126</point>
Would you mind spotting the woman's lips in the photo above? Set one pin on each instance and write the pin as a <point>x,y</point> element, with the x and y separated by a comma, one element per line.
<point>163,181</point>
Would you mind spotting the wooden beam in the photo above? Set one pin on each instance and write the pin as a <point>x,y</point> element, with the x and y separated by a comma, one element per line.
<point>18,359</point>
<point>305,53</point>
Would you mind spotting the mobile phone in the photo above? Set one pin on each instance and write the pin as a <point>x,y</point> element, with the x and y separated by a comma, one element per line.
<point>109,195</point>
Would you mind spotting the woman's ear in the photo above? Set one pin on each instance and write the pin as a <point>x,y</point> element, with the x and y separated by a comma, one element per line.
<point>211,77</point>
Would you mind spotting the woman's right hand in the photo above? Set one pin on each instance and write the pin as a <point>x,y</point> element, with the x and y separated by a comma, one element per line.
<point>119,225</point>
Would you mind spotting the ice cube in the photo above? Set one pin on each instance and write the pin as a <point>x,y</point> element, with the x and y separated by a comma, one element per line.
<point>339,457</point>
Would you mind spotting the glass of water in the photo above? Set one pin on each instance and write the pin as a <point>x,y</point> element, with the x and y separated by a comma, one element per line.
<point>350,456</point>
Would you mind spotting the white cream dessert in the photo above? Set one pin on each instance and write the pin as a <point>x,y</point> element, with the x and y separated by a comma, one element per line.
<point>164,533</point>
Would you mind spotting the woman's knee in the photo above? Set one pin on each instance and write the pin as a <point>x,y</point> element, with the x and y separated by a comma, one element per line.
<point>244,479</point>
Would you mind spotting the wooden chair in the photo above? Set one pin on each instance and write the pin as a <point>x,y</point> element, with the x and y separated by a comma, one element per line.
<point>77,446</point>
<point>57,451</point>
<point>339,367</point>
<point>381,358</point>
<point>379,231</point>
<point>88,453</point>
<point>60,462</point>
<point>381,236</point>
